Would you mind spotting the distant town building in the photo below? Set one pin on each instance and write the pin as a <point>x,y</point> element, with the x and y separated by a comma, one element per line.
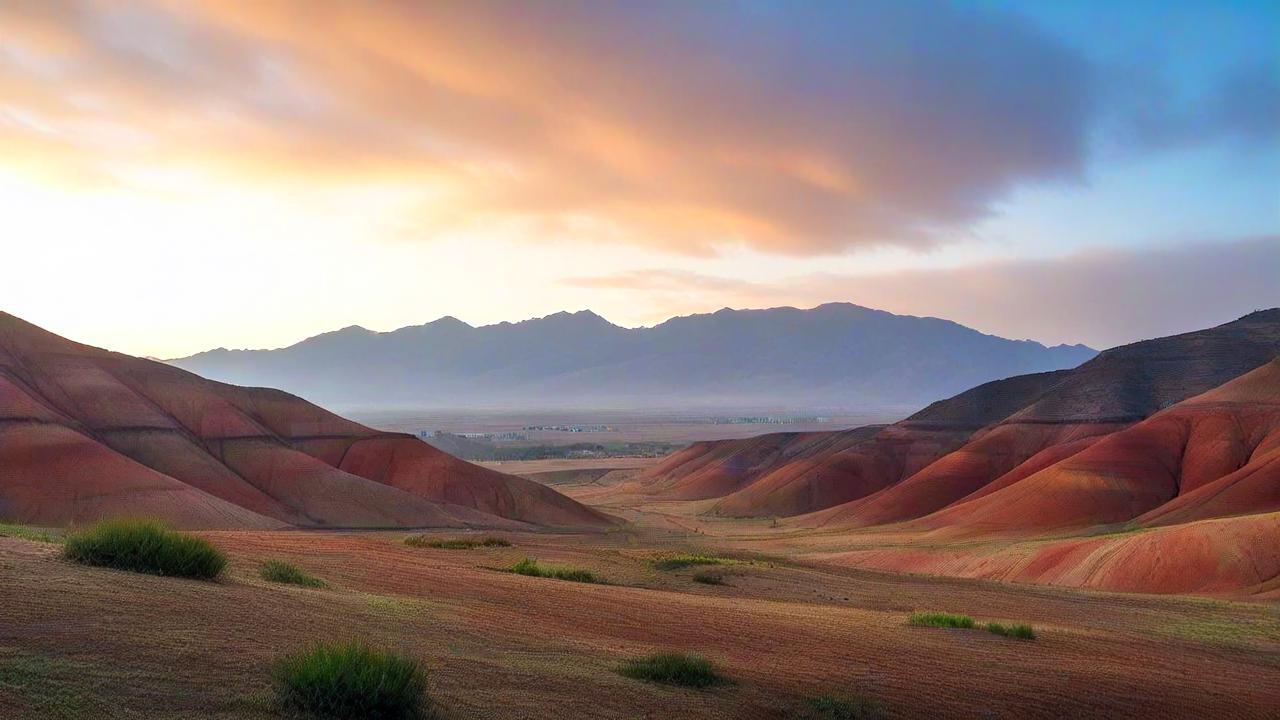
<point>765,420</point>
<point>425,434</point>
<point>570,428</point>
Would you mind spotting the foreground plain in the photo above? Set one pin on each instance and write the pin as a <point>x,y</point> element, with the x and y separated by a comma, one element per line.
<point>81,642</point>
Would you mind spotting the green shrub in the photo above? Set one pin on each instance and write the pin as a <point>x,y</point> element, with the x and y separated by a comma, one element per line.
<point>680,561</point>
<point>1021,632</point>
<point>23,532</point>
<point>827,707</point>
<point>942,620</point>
<point>351,680</point>
<point>530,567</point>
<point>145,546</point>
<point>455,543</point>
<point>707,578</point>
<point>674,669</point>
<point>288,573</point>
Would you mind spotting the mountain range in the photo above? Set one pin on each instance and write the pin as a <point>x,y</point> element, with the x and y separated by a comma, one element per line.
<point>834,355</point>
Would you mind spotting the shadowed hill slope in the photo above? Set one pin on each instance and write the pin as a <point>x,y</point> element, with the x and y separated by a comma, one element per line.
<point>86,433</point>
<point>996,433</point>
<point>792,473</point>
<point>1106,394</point>
<point>1213,455</point>
<point>874,461</point>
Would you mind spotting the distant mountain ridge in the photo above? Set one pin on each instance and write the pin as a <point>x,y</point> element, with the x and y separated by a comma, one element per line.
<point>834,355</point>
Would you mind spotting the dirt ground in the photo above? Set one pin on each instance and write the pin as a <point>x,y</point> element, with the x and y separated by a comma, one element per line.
<point>579,473</point>
<point>80,642</point>
<point>536,468</point>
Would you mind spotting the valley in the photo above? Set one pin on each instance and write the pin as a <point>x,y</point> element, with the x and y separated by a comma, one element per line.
<point>1123,516</point>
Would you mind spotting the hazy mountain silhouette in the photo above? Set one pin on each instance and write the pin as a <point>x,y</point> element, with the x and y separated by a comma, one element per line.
<point>835,355</point>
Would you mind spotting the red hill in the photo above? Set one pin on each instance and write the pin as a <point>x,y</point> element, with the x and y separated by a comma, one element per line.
<point>984,439</point>
<point>86,433</point>
<point>1214,455</point>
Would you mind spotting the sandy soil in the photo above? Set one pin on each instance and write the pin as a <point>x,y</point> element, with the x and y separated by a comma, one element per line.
<point>79,642</point>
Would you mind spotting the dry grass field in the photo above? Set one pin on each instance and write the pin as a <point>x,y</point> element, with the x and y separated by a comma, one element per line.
<point>80,642</point>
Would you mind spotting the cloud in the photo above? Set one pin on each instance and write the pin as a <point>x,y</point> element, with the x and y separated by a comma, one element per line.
<point>1246,103</point>
<point>1102,298</point>
<point>788,127</point>
<point>1241,104</point>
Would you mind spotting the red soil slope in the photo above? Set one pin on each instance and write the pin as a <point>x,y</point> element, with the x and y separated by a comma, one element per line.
<point>993,435</point>
<point>822,479</point>
<point>1214,455</point>
<point>791,473</point>
<point>86,433</point>
<point>714,469</point>
<point>1237,556</point>
<point>991,454</point>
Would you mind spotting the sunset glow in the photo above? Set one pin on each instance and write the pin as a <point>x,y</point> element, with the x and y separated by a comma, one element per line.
<point>190,175</point>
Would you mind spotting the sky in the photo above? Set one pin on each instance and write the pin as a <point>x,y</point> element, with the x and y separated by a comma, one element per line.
<point>177,175</point>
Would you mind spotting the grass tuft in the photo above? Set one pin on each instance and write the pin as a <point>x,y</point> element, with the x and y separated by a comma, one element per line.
<point>680,561</point>
<point>22,532</point>
<point>530,567</point>
<point>279,571</point>
<point>1021,632</point>
<point>145,546</point>
<point>709,578</point>
<point>50,688</point>
<point>455,543</point>
<point>686,670</point>
<point>351,680</point>
<point>827,707</point>
<point>942,620</point>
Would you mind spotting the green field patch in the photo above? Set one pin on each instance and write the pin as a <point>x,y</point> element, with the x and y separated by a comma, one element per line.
<point>679,561</point>
<point>278,571</point>
<point>940,620</point>
<point>424,541</point>
<point>145,546</point>
<point>531,568</point>
<point>25,532</point>
<point>683,669</point>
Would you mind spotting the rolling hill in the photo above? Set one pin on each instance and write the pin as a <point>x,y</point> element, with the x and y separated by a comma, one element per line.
<point>86,433</point>
<point>1186,501</point>
<point>1213,455</point>
<point>994,435</point>
<point>836,355</point>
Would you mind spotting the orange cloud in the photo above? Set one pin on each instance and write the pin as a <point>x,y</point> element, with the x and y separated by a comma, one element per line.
<point>684,126</point>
